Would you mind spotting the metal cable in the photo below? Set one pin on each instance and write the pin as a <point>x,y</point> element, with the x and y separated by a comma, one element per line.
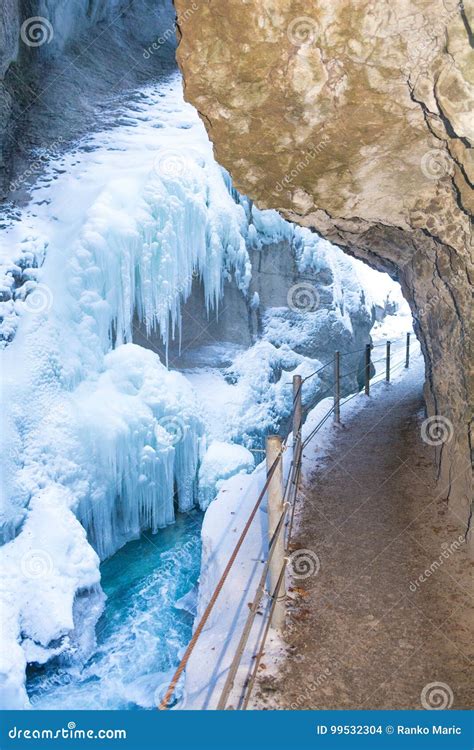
<point>293,504</point>
<point>352,351</point>
<point>259,655</point>
<point>229,683</point>
<point>316,371</point>
<point>182,665</point>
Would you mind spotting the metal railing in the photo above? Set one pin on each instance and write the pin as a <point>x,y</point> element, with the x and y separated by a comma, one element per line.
<point>281,504</point>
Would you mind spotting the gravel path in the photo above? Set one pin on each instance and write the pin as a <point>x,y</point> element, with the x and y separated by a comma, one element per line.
<point>365,631</point>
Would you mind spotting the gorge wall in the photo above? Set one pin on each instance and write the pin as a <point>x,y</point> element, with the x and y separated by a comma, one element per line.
<point>63,65</point>
<point>354,118</point>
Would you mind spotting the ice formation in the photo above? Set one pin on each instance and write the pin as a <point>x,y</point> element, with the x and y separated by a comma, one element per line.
<point>100,438</point>
<point>97,431</point>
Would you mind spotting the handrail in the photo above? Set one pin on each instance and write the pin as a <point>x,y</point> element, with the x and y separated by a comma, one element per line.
<point>229,683</point>
<point>167,697</point>
<point>353,351</point>
<point>259,654</point>
<point>290,490</point>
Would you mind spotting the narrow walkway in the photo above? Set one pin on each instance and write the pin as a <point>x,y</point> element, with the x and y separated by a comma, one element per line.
<point>365,631</point>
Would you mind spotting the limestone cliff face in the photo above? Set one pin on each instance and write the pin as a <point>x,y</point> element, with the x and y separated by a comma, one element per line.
<point>354,118</point>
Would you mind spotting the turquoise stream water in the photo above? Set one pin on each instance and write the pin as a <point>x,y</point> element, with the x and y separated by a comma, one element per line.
<point>141,634</point>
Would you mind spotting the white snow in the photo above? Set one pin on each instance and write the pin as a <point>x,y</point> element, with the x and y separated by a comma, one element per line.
<point>221,461</point>
<point>138,420</point>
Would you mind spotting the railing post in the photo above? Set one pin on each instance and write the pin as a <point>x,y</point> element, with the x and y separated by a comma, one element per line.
<point>297,412</point>
<point>387,363</point>
<point>275,510</point>
<point>407,358</point>
<point>337,387</point>
<point>367,369</point>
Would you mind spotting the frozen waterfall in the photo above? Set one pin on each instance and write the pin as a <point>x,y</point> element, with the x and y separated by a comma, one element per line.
<point>101,440</point>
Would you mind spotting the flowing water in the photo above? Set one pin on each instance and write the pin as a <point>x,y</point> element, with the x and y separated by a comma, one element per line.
<point>143,630</point>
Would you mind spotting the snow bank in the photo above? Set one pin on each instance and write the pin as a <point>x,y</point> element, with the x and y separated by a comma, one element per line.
<point>221,461</point>
<point>45,570</point>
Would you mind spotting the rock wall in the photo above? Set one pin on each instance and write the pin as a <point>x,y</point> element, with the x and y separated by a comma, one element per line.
<point>354,118</point>
<point>239,323</point>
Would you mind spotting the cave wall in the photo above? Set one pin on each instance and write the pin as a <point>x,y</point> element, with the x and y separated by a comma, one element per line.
<point>354,118</point>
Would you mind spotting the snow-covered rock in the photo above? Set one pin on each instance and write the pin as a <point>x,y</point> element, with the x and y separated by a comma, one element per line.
<point>221,461</point>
